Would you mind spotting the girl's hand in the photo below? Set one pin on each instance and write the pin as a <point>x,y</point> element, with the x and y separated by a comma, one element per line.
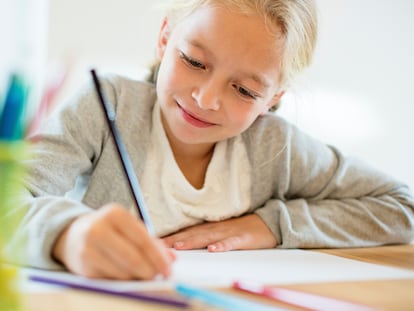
<point>246,232</point>
<point>111,243</point>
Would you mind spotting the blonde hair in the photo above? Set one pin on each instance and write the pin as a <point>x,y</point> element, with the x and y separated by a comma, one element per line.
<point>296,19</point>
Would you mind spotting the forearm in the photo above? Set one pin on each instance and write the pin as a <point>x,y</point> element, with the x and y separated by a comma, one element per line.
<point>329,223</point>
<point>42,221</point>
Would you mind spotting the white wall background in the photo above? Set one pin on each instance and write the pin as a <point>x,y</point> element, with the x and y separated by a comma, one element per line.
<point>358,95</point>
<point>23,38</point>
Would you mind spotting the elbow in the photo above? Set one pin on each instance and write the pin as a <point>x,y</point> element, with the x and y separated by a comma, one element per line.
<point>405,225</point>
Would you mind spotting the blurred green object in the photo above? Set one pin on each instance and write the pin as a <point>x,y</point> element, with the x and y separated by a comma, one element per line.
<point>9,296</point>
<point>11,171</point>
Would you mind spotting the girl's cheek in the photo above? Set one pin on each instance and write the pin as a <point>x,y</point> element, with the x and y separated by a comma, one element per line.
<point>178,78</point>
<point>172,72</point>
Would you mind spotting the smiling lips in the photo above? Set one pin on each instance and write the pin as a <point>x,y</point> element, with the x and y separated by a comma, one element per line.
<point>193,120</point>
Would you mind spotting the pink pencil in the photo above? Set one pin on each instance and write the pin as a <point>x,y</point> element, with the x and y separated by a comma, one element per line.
<point>301,299</point>
<point>53,87</point>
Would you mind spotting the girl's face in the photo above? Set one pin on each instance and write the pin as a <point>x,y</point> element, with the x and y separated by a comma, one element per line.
<point>219,71</point>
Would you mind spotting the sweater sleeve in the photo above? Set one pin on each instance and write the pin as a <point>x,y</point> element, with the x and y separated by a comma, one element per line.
<point>64,152</point>
<point>314,197</point>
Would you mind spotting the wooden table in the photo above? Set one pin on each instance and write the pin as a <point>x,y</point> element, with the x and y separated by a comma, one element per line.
<point>385,295</point>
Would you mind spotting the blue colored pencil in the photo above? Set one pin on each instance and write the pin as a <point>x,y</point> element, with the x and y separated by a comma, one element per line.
<point>11,127</point>
<point>124,156</point>
<point>223,301</point>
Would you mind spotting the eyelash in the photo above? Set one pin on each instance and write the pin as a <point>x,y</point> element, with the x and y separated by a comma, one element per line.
<point>245,92</point>
<point>192,62</point>
<point>197,65</point>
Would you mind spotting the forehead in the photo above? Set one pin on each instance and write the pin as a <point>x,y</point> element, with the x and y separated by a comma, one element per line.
<point>239,40</point>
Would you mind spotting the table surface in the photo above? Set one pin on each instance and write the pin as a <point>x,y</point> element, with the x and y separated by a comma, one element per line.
<point>384,295</point>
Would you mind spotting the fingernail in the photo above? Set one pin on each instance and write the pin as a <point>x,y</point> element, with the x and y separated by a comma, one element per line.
<point>212,248</point>
<point>178,245</point>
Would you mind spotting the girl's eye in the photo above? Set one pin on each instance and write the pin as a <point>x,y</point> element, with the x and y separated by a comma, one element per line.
<point>192,62</point>
<point>245,92</point>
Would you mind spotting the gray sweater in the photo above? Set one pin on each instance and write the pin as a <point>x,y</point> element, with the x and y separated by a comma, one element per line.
<point>308,194</point>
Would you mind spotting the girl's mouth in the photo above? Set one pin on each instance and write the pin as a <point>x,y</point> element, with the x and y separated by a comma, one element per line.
<point>194,120</point>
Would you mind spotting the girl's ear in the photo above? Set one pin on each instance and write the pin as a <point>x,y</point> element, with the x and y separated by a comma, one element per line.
<point>273,102</point>
<point>163,37</point>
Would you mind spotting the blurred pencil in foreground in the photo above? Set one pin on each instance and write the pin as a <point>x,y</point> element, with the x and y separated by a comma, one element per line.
<point>11,172</point>
<point>54,85</point>
<point>11,117</point>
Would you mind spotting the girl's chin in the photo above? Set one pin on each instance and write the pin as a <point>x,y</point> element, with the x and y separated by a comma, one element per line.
<point>189,136</point>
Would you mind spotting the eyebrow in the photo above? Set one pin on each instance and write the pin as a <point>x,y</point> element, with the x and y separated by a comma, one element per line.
<point>258,79</point>
<point>255,77</point>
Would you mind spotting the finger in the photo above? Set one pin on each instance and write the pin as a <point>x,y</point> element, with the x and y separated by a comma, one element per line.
<point>171,254</point>
<point>168,241</point>
<point>229,244</point>
<point>95,265</point>
<point>176,241</point>
<point>127,257</point>
<point>107,269</point>
<point>112,242</point>
<point>184,235</point>
<point>153,254</point>
<point>170,250</point>
<point>196,237</point>
<point>195,241</point>
<point>161,257</point>
<point>153,251</point>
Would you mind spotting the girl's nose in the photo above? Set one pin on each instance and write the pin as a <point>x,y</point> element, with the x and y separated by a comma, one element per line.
<point>207,96</point>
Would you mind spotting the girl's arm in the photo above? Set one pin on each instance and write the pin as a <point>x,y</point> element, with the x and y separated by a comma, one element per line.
<point>308,195</point>
<point>63,150</point>
<point>312,196</point>
<point>56,231</point>
<point>339,202</point>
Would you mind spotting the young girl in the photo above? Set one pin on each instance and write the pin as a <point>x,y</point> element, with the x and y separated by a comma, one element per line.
<point>217,169</point>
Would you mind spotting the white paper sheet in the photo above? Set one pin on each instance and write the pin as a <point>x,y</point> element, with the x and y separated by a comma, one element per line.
<point>201,268</point>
